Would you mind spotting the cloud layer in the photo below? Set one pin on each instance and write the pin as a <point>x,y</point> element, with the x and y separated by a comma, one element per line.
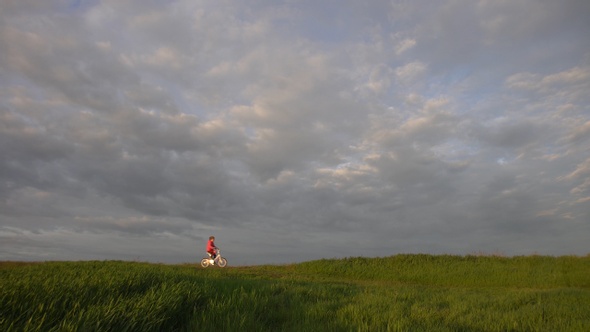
<point>293,131</point>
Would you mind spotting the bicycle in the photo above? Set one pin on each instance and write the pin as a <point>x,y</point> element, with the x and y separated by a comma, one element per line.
<point>218,260</point>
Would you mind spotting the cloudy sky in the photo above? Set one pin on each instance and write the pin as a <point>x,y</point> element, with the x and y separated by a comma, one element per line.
<point>293,130</point>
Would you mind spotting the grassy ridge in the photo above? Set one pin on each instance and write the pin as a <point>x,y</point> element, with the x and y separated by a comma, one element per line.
<point>463,271</point>
<point>403,292</point>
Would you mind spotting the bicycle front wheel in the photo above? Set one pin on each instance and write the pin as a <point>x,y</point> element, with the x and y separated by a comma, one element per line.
<point>222,262</point>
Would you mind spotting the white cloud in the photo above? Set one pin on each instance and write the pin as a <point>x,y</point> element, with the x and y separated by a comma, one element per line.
<point>408,73</point>
<point>405,45</point>
<point>535,82</point>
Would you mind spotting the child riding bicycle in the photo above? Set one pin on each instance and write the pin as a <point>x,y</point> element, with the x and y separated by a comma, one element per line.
<point>211,248</point>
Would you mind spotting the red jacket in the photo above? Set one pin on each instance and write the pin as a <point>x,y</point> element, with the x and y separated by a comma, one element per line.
<point>211,246</point>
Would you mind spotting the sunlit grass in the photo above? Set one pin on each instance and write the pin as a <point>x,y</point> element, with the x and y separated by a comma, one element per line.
<point>398,293</point>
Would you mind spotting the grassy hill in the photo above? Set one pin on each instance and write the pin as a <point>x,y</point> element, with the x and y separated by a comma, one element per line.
<point>398,293</point>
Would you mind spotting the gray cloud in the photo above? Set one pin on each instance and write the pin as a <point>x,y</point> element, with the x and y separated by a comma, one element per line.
<point>293,131</point>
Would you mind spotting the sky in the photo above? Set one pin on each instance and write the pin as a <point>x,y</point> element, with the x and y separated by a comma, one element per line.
<point>293,130</point>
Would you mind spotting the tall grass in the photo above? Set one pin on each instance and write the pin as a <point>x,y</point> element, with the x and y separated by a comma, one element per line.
<point>398,293</point>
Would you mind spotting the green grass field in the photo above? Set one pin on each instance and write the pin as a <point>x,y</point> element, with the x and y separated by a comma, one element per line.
<point>398,293</point>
